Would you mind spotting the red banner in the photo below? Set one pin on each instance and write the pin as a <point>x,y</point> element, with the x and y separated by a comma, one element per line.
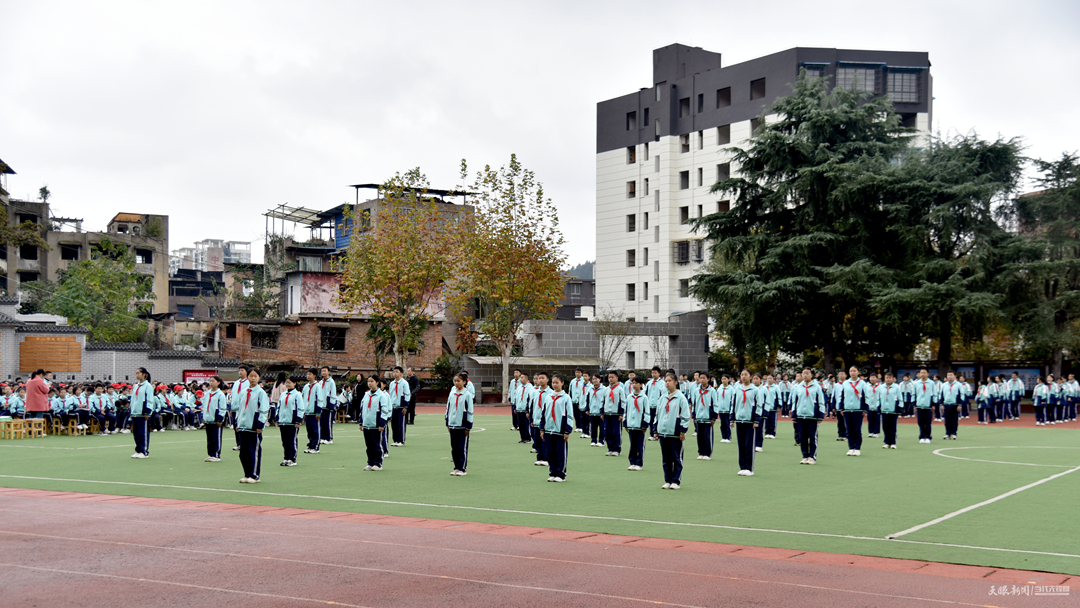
<point>198,375</point>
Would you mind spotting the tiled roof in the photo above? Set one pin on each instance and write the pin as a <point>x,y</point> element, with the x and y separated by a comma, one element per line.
<point>174,354</point>
<point>9,320</point>
<point>126,346</point>
<point>221,362</point>
<point>51,329</point>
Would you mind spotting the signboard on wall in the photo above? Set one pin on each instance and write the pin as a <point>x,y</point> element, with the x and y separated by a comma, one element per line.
<point>199,375</point>
<point>54,353</point>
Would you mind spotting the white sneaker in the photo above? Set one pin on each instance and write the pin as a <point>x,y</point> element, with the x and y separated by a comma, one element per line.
<point>367,468</point>
<point>455,473</point>
<point>583,436</point>
<point>532,451</point>
<point>236,448</point>
<point>331,442</point>
<point>892,447</point>
<point>376,468</point>
<point>885,446</point>
<point>137,455</point>
<point>674,486</point>
<point>666,486</point>
<point>245,480</point>
<point>743,472</point>
<point>538,463</point>
<point>609,453</point>
<point>770,436</point>
<point>209,459</point>
<point>706,457</point>
<point>630,468</point>
<point>850,452</point>
<point>857,453</point>
<point>725,441</point>
<point>699,457</point>
<point>559,480</point>
<point>759,449</point>
<point>811,461</point>
<point>749,473</point>
<point>552,478</point>
<point>874,435</point>
<point>803,461</point>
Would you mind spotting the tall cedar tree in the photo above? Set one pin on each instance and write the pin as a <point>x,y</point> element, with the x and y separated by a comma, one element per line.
<point>797,256</point>
<point>511,256</point>
<point>1043,281</point>
<point>942,203</point>
<point>399,260</point>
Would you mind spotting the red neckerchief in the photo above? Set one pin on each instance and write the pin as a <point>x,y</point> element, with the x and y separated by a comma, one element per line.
<point>667,406</point>
<point>246,401</point>
<point>853,387</point>
<point>635,396</point>
<point>457,401</point>
<point>553,398</point>
<point>744,393</point>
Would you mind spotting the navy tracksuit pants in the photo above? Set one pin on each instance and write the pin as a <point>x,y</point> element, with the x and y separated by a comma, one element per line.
<point>583,421</point>
<point>807,432</point>
<point>704,438</point>
<point>397,424</point>
<point>888,424</point>
<point>596,429</point>
<point>637,447</point>
<point>459,448</point>
<point>873,422</point>
<point>725,426</point>
<point>311,421</point>
<point>556,454</point>
<point>251,453</point>
<point>289,440</point>
<point>853,421</point>
<point>326,422</point>
<point>538,443</point>
<point>141,430</point>
<point>672,450</point>
<point>523,426</point>
<point>613,433</point>
<point>952,420</point>
<point>373,441</point>
<point>924,416</point>
<point>744,436</point>
<point>213,439</point>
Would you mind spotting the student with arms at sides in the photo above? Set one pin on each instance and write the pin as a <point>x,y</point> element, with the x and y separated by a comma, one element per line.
<point>808,409</point>
<point>459,420</point>
<point>215,411</point>
<point>142,406</point>
<point>290,415</point>
<point>251,417</point>
<point>637,423</point>
<point>558,423</point>
<point>673,413</point>
<point>374,412</point>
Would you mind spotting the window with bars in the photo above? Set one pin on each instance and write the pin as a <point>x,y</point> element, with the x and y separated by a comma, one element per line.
<point>631,292</point>
<point>631,258</point>
<point>631,189</point>
<point>680,252</point>
<point>903,87</point>
<point>332,338</point>
<point>684,143</point>
<point>815,71</point>
<point>862,79</point>
<point>631,155</point>
<point>684,288</point>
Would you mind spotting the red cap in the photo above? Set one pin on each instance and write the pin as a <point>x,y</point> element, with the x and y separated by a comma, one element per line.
<point>198,393</point>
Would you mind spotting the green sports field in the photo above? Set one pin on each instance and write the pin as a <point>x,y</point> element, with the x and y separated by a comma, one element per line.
<point>842,505</point>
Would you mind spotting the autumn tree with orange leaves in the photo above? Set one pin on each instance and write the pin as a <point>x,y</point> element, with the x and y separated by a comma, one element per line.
<point>400,258</point>
<point>510,257</point>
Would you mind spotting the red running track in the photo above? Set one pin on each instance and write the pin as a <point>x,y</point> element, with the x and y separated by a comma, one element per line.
<point>87,550</point>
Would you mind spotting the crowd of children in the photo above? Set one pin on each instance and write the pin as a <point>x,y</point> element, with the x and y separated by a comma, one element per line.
<point>548,409</point>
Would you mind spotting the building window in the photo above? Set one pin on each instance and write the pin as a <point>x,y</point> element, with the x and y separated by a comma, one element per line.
<point>657,92</point>
<point>185,311</point>
<point>631,292</point>
<point>684,180</point>
<point>701,140</point>
<point>656,130</point>
<point>29,277</point>
<point>757,88</point>
<point>656,304</point>
<point>646,186</point>
<point>645,220</point>
<point>701,210</point>
<point>723,135</point>
<point>644,292</point>
<point>755,126</point>
<point>684,215</point>
<point>631,362</point>
<point>700,103</point>
<point>656,234</point>
<point>69,252</point>
<point>858,79</point>
<point>230,331</point>
<point>645,123</point>
<point>645,146</point>
<point>309,263</point>
<point>684,107</point>
<point>577,312</point>
<point>631,121</point>
<point>645,256</point>
<point>656,270</point>
<point>656,163</point>
<point>814,71</point>
<point>212,312</point>
<point>700,177</point>
<point>332,338</point>
<point>28,252</point>
<point>680,251</point>
<point>723,206</point>
<point>575,289</point>
<point>631,189</point>
<point>656,201</point>
<point>684,143</point>
<point>631,222</point>
<point>723,97</point>
<point>904,87</point>
<point>631,258</point>
<point>631,155</point>
<point>723,171</point>
<point>26,217</point>
<point>698,250</point>
<point>684,288</point>
<point>144,256</point>
<point>264,339</point>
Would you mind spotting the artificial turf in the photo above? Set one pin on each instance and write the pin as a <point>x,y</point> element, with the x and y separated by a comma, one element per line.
<point>872,496</point>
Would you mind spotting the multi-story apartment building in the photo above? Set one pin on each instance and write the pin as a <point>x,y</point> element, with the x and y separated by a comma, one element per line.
<point>660,149</point>
<point>210,255</point>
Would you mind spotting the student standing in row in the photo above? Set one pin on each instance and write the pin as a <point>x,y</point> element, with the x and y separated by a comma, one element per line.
<point>142,406</point>
<point>328,403</point>
<point>873,407</point>
<point>215,410</point>
<point>924,401</point>
<point>612,416</point>
<point>673,419</point>
<point>238,387</point>
<point>254,408</point>
<point>704,411</point>
<point>596,409</point>
<point>891,405</point>
<point>834,392</point>
<point>653,388</point>
<point>522,396</point>
<point>809,409</point>
<point>536,418</point>
<point>558,419</point>
<point>853,404</point>
<point>725,401</point>
<point>399,403</point>
<point>747,419</point>
<point>312,398</point>
<point>951,397</point>
<point>637,423</point>
<point>459,421</point>
<point>290,414</point>
<point>374,412</point>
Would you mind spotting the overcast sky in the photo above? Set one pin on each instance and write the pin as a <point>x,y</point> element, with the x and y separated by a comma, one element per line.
<point>214,112</point>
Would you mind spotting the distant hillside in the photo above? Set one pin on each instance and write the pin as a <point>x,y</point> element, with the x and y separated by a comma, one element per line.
<point>581,271</point>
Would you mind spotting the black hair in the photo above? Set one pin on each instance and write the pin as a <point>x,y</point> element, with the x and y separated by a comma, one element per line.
<point>463,377</point>
<point>638,381</point>
<point>466,374</point>
<point>313,372</point>
<point>559,376</point>
<point>254,370</point>
<point>378,381</point>
<point>656,368</point>
<point>618,378</point>
<point>144,372</point>
<point>398,368</point>
<point>326,367</point>
<point>541,373</point>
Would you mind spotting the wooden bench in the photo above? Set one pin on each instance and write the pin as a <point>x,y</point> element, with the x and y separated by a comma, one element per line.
<point>35,427</point>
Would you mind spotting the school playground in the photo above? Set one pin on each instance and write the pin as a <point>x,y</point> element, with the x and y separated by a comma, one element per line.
<point>988,520</point>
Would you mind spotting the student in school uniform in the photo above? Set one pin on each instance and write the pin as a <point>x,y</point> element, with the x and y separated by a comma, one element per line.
<point>891,406</point>
<point>99,406</point>
<point>522,398</point>
<point>17,405</point>
<point>951,396</point>
<point>997,390</point>
<point>747,418</point>
<point>511,396</point>
<point>581,410</point>
<point>808,409</point>
<point>536,417</point>
<point>375,410</point>
<point>576,390</point>
<point>853,403</point>
<point>251,417</point>
<point>614,408</point>
<point>637,423</point>
<point>1039,399</point>
<point>142,405</point>
<point>459,421</point>
<point>725,402</point>
<point>1074,396</point>
<point>328,406</point>
<point>399,404</point>
<point>873,407</point>
<point>595,402</point>
<point>835,391</point>
<point>965,396</point>
<point>1054,391</point>
<point>290,415</point>
<point>703,409</point>
<point>185,405</point>
<point>1014,390</point>
<point>238,387</point>
<point>767,395</point>
<point>215,413</point>
<point>923,389</point>
<point>907,393</point>
<point>313,397</point>
<point>674,418</point>
<point>654,388</point>
<point>558,420</point>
